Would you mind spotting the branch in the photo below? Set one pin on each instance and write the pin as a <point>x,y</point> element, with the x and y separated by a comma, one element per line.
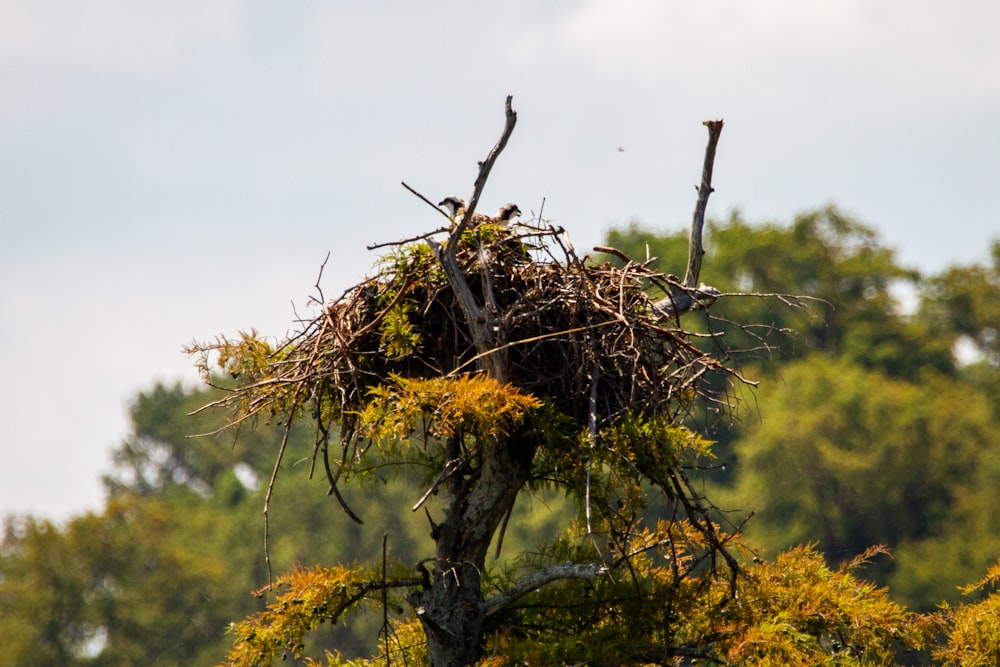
<point>486,166</point>
<point>536,580</point>
<point>695,249</point>
<point>425,200</point>
<point>475,315</point>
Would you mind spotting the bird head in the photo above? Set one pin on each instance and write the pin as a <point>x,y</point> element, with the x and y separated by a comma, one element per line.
<point>507,213</point>
<point>452,205</point>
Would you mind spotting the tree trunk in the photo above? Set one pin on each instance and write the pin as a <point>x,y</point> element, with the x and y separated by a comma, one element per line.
<point>452,610</point>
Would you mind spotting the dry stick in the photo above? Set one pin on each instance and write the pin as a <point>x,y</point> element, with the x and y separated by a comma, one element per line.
<point>270,491</point>
<point>425,200</point>
<point>484,171</point>
<point>592,437</point>
<point>419,237</point>
<point>475,315</point>
<point>613,251</point>
<point>695,249</point>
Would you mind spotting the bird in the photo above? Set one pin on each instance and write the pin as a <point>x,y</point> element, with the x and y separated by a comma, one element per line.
<point>455,206</point>
<point>682,299</point>
<point>506,214</point>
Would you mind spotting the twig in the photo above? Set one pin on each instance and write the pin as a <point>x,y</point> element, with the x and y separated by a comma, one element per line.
<point>449,469</point>
<point>419,237</point>
<point>425,200</point>
<point>592,438</point>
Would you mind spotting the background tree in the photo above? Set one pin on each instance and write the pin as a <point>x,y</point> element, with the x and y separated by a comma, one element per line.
<point>847,458</point>
<point>873,434</point>
<point>823,254</point>
<point>175,552</point>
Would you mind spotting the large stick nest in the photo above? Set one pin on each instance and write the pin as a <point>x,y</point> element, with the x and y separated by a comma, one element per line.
<point>585,337</point>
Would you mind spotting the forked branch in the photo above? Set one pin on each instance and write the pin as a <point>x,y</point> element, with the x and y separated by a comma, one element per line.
<point>476,316</point>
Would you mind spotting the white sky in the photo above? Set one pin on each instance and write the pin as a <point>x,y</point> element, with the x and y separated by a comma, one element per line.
<point>174,170</point>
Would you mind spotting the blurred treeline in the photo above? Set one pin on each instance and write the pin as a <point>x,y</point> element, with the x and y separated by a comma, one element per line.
<point>877,418</point>
<point>876,422</point>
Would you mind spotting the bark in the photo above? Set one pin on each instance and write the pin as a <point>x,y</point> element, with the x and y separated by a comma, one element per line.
<point>452,609</point>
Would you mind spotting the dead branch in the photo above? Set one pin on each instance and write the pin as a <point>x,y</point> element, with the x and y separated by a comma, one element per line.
<point>695,248</point>
<point>536,580</point>
<point>487,165</point>
<point>425,200</point>
<point>477,317</point>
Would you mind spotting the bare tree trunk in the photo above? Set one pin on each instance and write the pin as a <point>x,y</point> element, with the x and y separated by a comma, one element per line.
<point>452,609</point>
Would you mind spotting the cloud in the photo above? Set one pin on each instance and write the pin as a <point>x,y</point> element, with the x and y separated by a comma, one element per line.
<point>885,53</point>
<point>116,34</point>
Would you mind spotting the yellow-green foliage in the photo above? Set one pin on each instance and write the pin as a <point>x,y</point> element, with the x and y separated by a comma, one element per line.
<point>408,262</point>
<point>797,611</point>
<point>475,405</point>
<point>399,337</point>
<point>309,597</point>
<point>792,611</point>
<point>246,356</point>
<point>407,646</point>
<point>974,629</point>
<point>654,443</point>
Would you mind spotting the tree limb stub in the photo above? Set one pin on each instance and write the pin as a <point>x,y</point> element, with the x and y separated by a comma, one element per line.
<point>695,248</point>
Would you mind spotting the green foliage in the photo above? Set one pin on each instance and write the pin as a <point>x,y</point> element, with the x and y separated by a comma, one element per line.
<point>964,302</point>
<point>308,598</point>
<point>928,571</point>
<point>126,585</point>
<point>162,455</point>
<point>823,254</point>
<point>848,458</point>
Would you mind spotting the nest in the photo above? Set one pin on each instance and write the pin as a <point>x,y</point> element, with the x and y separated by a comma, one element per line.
<point>585,337</point>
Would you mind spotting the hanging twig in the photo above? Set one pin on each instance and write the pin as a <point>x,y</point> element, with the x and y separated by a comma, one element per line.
<point>385,597</point>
